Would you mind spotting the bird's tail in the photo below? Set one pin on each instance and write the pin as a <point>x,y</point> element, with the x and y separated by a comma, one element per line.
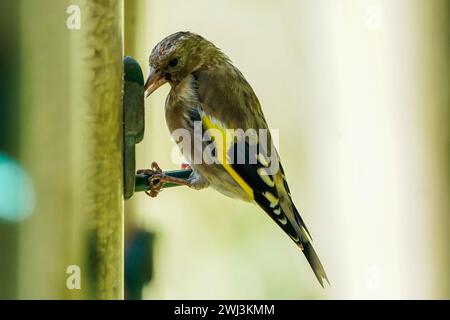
<point>315,263</point>
<point>307,248</point>
<point>284,213</point>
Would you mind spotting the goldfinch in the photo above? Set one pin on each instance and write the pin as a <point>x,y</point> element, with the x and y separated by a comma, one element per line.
<point>210,100</point>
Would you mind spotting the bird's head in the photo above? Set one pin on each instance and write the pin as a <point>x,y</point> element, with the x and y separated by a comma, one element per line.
<point>179,55</point>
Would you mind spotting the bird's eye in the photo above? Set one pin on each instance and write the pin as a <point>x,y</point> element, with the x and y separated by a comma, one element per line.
<point>173,62</point>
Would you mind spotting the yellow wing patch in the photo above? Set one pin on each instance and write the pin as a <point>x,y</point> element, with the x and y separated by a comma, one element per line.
<point>224,139</point>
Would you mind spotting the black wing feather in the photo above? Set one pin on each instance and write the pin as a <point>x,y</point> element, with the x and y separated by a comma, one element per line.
<point>249,172</point>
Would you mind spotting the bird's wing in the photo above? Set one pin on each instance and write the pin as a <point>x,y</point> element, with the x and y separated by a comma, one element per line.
<point>228,102</point>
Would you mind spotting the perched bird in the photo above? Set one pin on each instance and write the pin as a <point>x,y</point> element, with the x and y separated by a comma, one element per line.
<point>206,88</point>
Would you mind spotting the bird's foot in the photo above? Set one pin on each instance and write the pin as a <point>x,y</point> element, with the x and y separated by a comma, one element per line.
<point>154,181</point>
<point>157,179</point>
<point>186,166</point>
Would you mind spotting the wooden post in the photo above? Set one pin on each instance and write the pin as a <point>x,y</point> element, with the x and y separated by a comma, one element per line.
<point>72,148</point>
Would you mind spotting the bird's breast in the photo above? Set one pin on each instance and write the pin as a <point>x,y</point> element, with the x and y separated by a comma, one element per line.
<point>181,114</point>
<point>185,92</point>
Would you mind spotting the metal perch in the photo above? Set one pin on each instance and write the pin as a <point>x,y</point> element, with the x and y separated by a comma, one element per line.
<point>141,183</point>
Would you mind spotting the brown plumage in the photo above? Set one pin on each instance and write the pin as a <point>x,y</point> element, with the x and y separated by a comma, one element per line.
<point>207,88</point>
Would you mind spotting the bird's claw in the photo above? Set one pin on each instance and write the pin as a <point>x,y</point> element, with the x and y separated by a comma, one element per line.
<point>155,180</point>
<point>186,166</point>
<point>155,183</point>
<point>155,167</point>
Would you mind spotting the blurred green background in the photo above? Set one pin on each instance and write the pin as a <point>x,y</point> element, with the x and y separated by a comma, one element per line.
<point>358,90</point>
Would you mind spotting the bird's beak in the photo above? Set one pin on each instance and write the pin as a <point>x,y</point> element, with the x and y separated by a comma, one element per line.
<point>154,81</point>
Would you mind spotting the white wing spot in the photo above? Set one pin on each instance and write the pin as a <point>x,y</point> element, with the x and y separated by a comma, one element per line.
<point>265,177</point>
<point>283,220</point>
<point>296,239</point>
<point>272,199</point>
<point>277,211</point>
<point>263,160</point>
